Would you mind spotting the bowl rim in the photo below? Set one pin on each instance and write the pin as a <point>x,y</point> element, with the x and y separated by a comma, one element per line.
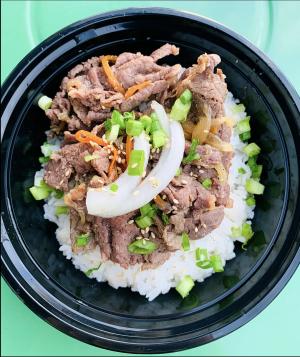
<point>9,272</point>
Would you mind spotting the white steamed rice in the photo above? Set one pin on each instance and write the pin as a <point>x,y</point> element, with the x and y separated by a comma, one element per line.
<point>152,282</point>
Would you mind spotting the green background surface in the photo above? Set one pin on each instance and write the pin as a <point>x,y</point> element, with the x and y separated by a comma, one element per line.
<point>275,28</point>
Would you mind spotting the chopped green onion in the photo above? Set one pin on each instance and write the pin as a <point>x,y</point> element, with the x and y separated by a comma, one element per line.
<point>39,193</point>
<point>146,121</point>
<point>155,125</point>
<point>58,193</point>
<point>207,183</point>
<point>107,124</point>
<point>252,162</point>
<point>185,241</point>
<point>186,96</point>
<point>185,285</point>
<point>158,138</point>
<point>250,200</point>
<point>136,163</point>
<point>88,158</point>
<point>82,240</point>
<point>114,187</point>
<point>89,272</point>
<point>142,246</point>
<point>44,159</point>
<point>192,155</point>
<point>144,222</point>
<point>117,119</point>
<point>112,135</point>
<point>243,126</point>
<point>45,102</point>
<point>128,116</point>
<point>178,172</point>
<point>241,171</point>
<point>247,231</point>
<point>256,171</point>
<point>252,149</point>
<point>205,264</point>
<point>165,218</point>
<point>61,210</point>
<point>46,149</point>
<point>236,232</point>
<point>180,111</point>
<point>201,254</point>
<point>239,108</point>
<point>245,136</point>
<point>254,187</point>
<point>148,210</point>
<point>134,127</point>
<point>216,263</point>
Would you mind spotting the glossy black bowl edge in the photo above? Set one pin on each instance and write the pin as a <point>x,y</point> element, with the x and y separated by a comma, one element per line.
<point>21,289</point>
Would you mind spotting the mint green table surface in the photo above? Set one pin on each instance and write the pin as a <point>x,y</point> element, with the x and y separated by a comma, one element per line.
<point>275,28</point>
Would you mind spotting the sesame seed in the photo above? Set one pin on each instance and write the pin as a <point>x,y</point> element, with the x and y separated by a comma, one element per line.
<point>184,182</point>
<point>174,208</point>
<point>142,231</point>
<point>154,181</point>
<point>134,165</point>
<point>144,174</point>
<point>131,221</point>
<point>119,160</point>
<point>110,157</point>
<point>121,146</point>
<point>153,150</point>
<point>157,150</point>
<point>164,197</point>
<point>119,152</point>
<point>196,229</point>
<point>152,235</point>
<point>135,193</point>
<point>201,171</point>
<point>146,238</point>
<point>147,230</point>
<point>150,157</point>
<point>139,237</point>
<point>204,225</point>
<point>175,201</point>
<point>123,161</point>
<point>191,174</point>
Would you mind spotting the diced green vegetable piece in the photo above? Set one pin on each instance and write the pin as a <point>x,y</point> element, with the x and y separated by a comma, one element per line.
<point>165,218</point>
<point>90,157</point>
<point>201,254</point>
<point>185,286</point>
<point>250,200</point>
<point>241,171</point>
<point>128,116</point>
<point>107,124</point>
<point>112,135</point>
<point>186,96</point>
<point>207,183</point>
<point>256,171</point>
<point>243,126</point>
<point>61,210</point>
<point>117,119</point>
<point>136,163</point>
<point>185,241</point>
<point>134,127</point>
<point>46,149</point>
<point>44,159</point>
<point>148,210</point>
<point>245,136</point>
<point>252,149</point>
<point>180,111</point>
<point>178,172</point>
<point>147,122</point>
<point>252,162</point>
<point>45,102</point>
<point>114,187</point>
<point>239,108</point>
<point>247,231</point>
<point>155,125</point>
<point>254,187</point>
<point>216,263</point>
<point>39,193</point>
<point>204,264</point>
<point>192,154</point>
<point>158,138</point>
<point>144,222</point>
<point>236,232</point>
<point>89,272</point>
<point>82,240</point>
<point>142,246</point>
<point>58,194</point>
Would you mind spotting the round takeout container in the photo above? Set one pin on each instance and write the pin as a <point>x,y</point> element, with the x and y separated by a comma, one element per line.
<point>119,319</point>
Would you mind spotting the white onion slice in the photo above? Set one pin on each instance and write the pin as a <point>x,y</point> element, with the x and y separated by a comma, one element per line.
<point>104,202</point>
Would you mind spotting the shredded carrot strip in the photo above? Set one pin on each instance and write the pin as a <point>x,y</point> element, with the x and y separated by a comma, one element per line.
<point>84,136</point>
<point>110,75</point>
<point>131,90</point>
<point>129,147</point>
<point>160,202</point>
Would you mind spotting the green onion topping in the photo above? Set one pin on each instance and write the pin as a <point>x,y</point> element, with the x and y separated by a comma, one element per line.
<point>113,134</point>
<point>134,127</point>
<point>207,183</point>
<point>89,272</point>
<point>45,102</point>
<point>158,138</point>
<point>178,172</point>
<point>142,246</point>
<point>44,159</point>
<point>114,187</point>
<point>61,210</point>
<point>117,119</point>
<point>250,200</point>
<point>192,154</point>
<point>144,222</point>
<point>216,263</point>
<point>245,136</point>
<point>146,121</point>
<point>185,241</point>
<point>243,126</point>
<point>180,110</point>
<point>185,286</point>
<point>136,163</point>
<point>82,240</point>
<point>236,232</point>
<point>241,171</point>
<point>254,187</point>
<point>88,158</point>
<point>165,218</point>
<point>252,149</point>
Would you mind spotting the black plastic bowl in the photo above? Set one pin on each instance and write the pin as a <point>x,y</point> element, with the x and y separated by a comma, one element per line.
<point>119,319</point>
